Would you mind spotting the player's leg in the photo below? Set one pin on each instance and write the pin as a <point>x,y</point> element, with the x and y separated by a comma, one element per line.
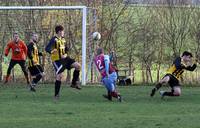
<point>71,63</point>
<point>57,85</point>
<point>22,64</point>
<point>114,92</point>
<point>68,63</point>
<point>76,73</point>
<point>165,79</point>
<point>175,87</point>
<point>37,73</point>
<point>110,86</point>
<point>108,96</point>
<point>175,91</point>
<point>10,67</point>
<point>58,66</point>
<point>106,82</point>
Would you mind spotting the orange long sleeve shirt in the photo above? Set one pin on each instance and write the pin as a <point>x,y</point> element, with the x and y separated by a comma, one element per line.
<point>19,50</point>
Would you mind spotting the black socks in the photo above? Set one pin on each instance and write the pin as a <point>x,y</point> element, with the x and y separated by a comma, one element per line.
<point>158,86</point>
<point>57,87</point>
<point>75,77</point>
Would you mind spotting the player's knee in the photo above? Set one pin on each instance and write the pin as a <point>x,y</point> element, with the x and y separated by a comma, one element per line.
<point>59,77</point>
<point>165,80</point>
<point>77,66</point>
<point>177,92</point>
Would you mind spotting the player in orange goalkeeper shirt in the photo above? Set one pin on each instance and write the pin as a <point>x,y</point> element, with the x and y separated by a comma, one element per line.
<point>19,54</point>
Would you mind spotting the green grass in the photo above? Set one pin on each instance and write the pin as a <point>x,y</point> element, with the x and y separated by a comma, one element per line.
<point>20,108</point>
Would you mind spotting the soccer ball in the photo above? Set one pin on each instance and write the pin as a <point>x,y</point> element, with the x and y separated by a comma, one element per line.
<point>96,36</point>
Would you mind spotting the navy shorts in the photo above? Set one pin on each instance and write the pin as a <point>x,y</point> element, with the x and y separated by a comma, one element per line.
<point>173,81</point>
<point>35,70</point>
<point>62,64</point>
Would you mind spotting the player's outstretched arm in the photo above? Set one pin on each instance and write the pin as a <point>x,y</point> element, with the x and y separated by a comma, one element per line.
<point>7,49</point>
<point>191,68</point>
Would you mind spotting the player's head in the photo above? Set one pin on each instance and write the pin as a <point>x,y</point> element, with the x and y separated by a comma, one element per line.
<point>59,29</point>
<point>99,51</point>
<point>15,37</point>
<point>34,37</point>
<point>186,56</point>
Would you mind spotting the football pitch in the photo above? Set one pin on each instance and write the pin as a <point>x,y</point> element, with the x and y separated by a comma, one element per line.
<point>20,108</point>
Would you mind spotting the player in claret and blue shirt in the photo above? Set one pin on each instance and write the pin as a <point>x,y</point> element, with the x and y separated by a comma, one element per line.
<point>108,74</point>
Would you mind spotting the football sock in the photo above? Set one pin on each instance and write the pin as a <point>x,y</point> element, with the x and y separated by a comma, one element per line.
<point>75,77</point>
<point>57,87</point>
<point>109,95</point>
<point>158,86</point>
<point>153,91</point>
<point>7,78</point>
<point>114,94</point>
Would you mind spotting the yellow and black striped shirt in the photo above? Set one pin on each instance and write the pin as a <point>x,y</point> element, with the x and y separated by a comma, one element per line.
<point>59,45</point>
<point>33,54</point>
<point>178,67</point>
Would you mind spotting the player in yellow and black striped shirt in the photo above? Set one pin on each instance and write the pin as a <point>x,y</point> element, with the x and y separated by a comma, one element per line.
<point>174,73</point>
<point>34,66</point>
<point>58,51</point>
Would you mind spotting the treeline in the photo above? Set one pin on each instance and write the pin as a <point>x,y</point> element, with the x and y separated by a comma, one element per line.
<point>145,39</point>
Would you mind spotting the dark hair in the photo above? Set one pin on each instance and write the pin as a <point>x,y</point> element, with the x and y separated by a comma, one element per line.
<point>99,51</point>
<point>59,28</point>
<point>186,53</point>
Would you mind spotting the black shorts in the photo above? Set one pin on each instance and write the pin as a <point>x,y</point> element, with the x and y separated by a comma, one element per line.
<point>67,62</point>
<point>35,70</point>
<point>173,81</point>
<point>63,64</point>
<point>22,64</point>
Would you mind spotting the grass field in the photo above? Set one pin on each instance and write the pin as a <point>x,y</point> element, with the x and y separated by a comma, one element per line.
<point>20,108</point>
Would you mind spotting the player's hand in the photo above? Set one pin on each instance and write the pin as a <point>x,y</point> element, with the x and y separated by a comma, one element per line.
<point>64,56</point>
<point>189,63</point>
<point>54,51</point>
